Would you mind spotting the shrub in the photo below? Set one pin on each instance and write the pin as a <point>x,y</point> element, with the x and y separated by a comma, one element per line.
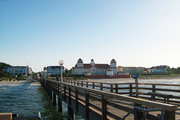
<point>4,78</point>
<point>21,78</point>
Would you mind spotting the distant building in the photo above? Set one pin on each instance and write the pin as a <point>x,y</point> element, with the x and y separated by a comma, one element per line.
<point>53,70</point>
<point>94,69</point>
<point>119,69</point>
<point>162,69</point>
<point>133,70</point>
<point>121,72</point>
<point>24,70</point>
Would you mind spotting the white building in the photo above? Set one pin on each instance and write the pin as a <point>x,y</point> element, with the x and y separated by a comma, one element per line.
<point>24,70</point>
<point>53,70</point>
<point>94,69</point>
<point>133,70</point>
<point>162,69</point>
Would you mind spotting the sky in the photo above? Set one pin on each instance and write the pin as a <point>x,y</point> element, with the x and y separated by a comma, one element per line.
<point>39,33</point>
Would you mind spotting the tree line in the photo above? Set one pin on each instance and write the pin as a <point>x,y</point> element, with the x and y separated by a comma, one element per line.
<point>174,70</point>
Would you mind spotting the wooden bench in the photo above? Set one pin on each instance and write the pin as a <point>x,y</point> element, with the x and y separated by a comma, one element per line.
<point>5,116</point>
<point>165,96</point>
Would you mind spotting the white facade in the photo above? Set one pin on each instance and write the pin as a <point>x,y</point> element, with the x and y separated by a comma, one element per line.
<point>123,73</point>
<point>25,70</point>
<point>163,69</point>
<point>53,70</point>
<point>109,72</point>
<point>133,70</point>
<point>94,69</point>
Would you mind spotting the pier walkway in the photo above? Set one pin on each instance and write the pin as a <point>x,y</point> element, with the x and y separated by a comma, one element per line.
<point>94,100</point>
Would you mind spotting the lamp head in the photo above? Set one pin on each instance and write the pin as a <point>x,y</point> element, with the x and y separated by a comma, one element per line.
<point>61,62</point>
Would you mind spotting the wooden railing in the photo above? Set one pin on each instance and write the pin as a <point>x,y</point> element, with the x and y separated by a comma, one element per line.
<point>106,100</point>
<point>129,88</point>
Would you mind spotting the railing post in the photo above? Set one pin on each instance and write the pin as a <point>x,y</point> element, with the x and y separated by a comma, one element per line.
<point>169,115</point>
<point>116,88</point>
<point>71,81</point>
<point>77,83</point>
<point>87,105</point>
<point>76,100</point>
<point>130,89</point>
<point>104,107</point>
<point>87,84</point>
<point>153,90</point>
<point>93,85</point>
<point>82,83</point>
<point>101,86</point>
<point>112,88</point>
<point>74,82</point>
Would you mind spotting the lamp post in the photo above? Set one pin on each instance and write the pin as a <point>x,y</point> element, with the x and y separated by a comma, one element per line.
<point>61,62</point>
<point>60,98</point>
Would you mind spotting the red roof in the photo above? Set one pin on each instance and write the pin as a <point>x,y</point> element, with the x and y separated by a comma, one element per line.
<point>87,66</point>
<point>98,66</point>
<point>102,66</point>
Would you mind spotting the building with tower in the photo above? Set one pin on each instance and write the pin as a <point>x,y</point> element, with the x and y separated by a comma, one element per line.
<point>94,69</point>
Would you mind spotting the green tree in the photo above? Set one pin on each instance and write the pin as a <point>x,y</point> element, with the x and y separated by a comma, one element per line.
<point>169,70</point>
<point>3,66</point>
<point>178,70</point>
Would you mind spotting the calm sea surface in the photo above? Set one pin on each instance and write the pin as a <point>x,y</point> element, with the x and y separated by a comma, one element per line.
<point>26,98</point>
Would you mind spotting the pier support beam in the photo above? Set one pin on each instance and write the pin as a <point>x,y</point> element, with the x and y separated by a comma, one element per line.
<point>59,104</point>
<point>76,100</point>
<point>54,98</point>
<point>70,110</point>
<point>70,113</point>
<point>104,107</point>
<point>87,105</point>
<point>138,115</point>
<point>169,115</point>
<point>50,94</point>
<point>69,97</point>
<point>64,96</point>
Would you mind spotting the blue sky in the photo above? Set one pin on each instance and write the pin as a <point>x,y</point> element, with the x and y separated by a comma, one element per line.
<point>39,33</point>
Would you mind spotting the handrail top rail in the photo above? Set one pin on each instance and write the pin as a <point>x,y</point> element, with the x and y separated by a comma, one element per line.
<point>128,83</point>
<point>141,101</point>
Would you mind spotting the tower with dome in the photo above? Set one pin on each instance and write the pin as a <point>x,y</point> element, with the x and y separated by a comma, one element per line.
<point>95,69</point>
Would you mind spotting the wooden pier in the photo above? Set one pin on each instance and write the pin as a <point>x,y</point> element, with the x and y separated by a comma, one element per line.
<point>93,100</point>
